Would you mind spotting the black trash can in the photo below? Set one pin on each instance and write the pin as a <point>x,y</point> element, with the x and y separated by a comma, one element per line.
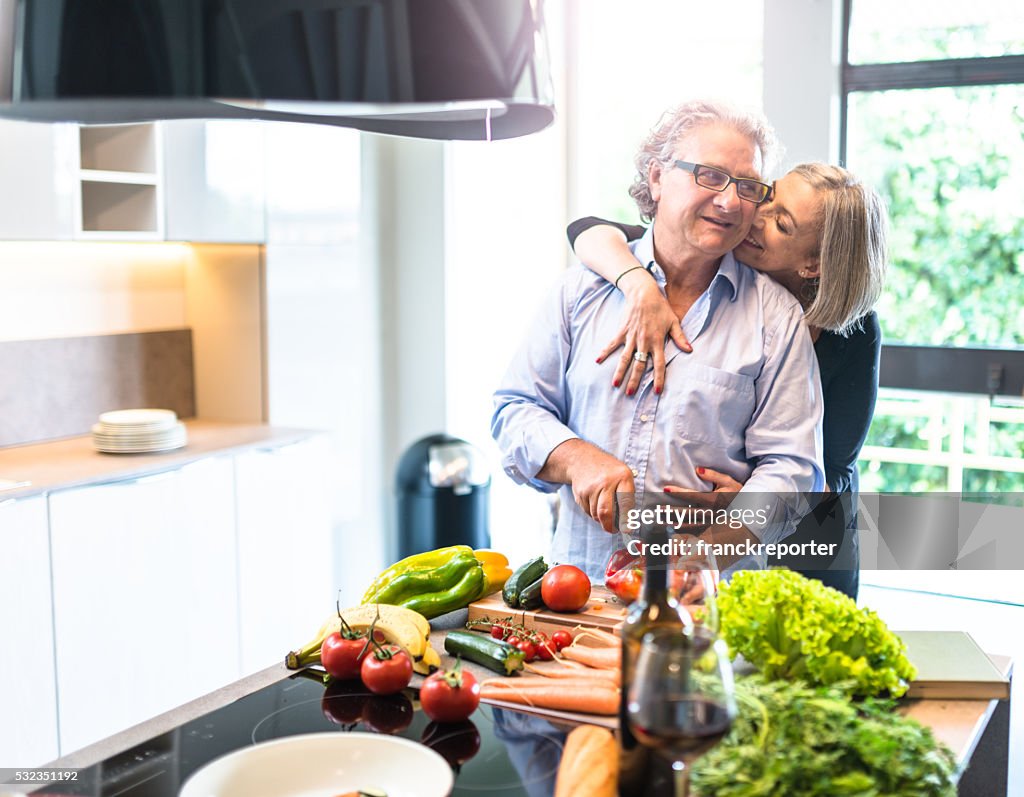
<point>443,488</point>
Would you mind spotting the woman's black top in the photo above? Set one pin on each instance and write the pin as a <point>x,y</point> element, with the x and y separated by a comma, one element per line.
<point>849,385</point>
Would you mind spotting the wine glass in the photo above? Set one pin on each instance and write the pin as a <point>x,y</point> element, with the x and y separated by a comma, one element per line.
<point>693,580</point>
<point>681,700</point>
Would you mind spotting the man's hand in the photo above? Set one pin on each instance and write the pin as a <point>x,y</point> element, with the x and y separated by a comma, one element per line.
<point>596,478</point>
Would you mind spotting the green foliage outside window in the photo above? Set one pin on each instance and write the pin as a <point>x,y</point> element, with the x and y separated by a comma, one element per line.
<point>950,165</point>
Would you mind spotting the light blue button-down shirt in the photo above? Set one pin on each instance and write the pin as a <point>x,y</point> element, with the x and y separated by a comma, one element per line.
<point>746,402</point>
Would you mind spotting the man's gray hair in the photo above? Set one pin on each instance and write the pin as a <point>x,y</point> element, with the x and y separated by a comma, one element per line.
<point>661,142</point>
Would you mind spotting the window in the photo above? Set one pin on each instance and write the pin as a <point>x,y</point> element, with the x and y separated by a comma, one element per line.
<point>933,113</point>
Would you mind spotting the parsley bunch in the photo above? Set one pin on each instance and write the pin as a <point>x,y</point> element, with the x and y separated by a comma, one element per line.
<point>792,627</point>
<point>814,742</point>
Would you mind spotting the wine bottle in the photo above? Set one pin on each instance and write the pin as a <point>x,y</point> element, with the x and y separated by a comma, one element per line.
<point>655,608</point>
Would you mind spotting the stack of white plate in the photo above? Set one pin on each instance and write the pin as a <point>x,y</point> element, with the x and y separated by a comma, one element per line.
<point>138,432</point>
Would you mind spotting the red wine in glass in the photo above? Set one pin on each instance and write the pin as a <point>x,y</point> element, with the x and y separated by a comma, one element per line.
<point>683,727</point>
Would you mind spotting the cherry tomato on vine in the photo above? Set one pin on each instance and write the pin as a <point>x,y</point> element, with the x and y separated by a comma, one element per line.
<point>342,656</point>
<point>513,640</point>
<point>450,695</point>
<point>546,650</point>
<point>562,639</point>
<point>497,632</point>
<point>387,670</point>
<point>528,649</point>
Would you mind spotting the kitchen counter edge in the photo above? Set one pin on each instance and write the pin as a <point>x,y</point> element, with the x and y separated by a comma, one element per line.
<point>73,462</point>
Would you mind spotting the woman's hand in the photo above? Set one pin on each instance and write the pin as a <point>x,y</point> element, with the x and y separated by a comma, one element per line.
<point>649,320</point>
<point>723,486</point>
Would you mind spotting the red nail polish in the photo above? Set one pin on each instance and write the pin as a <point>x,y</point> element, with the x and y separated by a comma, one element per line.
<point>598,360</point>
<point>657,391</point>
<point>615,383</point>
<point>668,490</point>
<point>630,392</point>
<point>700,471</point>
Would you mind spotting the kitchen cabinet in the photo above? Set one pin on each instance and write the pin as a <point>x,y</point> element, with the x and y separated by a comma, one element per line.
<point>145,596</point>
<point>285,549</point>
<point>37,172</point>
<point>214,181</point>
<point>120,194</point>
<point>28,689</point>
<point>198,181</point>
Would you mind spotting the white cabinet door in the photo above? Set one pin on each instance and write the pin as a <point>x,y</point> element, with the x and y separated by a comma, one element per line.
<point>314,193</point>
<point>145,589</point>
<point>37,172</point>
<point>28,689</point>
<point>285,550</point>
<point>214,181</point>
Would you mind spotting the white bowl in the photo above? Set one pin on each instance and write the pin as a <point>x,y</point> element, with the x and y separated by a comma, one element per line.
<point>325,765</point>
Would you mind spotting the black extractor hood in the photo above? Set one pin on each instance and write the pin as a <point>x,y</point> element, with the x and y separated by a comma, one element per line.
<point>442,69</point>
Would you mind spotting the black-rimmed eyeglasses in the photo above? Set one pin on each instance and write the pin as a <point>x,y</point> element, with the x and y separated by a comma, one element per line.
<point>717,180</point>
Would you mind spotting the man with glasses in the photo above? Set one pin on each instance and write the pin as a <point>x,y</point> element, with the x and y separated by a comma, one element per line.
<point>744,401</point>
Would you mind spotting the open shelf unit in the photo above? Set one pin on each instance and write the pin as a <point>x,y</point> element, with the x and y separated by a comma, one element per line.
<point>120,194</point>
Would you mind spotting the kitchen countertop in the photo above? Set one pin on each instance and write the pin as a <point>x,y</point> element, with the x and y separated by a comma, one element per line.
<point>73,462</point>
<point>959,724</point>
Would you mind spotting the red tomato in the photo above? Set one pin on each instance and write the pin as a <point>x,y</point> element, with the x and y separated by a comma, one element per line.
<point>562,639</point>
<point>497,632</point>
<point>625,584</point>
<point>388,713</point>
<point>342,657</point>
<point>387,670</point>
<point>619,560</point>
<point>546,650</point>
<point>528,649</point>
<point>513,640</point>
<point>450,695</point>
<point>565,588</point>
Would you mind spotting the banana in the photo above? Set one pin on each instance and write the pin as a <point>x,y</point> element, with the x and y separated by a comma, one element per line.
<point>367,613</point>
<point>430,661</point>
<point>399,626</point>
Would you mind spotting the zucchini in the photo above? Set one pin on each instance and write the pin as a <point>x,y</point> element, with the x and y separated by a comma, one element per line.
<point>530,598</point>
<point>521,579</point>
<point>491,653</point>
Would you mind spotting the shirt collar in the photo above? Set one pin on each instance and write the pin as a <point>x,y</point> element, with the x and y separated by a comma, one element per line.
<point>728,269</point>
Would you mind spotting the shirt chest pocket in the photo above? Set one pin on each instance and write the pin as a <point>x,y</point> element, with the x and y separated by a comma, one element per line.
<point>713,406</point>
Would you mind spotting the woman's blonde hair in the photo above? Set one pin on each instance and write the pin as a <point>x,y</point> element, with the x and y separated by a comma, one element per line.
<point>661,142</point>
<point>852,252</point>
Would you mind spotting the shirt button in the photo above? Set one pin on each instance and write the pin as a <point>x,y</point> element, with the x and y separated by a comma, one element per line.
<point>635,473</point>
<point>643,418</point>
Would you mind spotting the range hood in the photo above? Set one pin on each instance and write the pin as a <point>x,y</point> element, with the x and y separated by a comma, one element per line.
<point>440,69</point>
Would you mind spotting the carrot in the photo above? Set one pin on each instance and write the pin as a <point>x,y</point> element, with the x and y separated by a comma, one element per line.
<point>530,682</point>
<point>604,639</point>
<point>576,672</point>
<point>588,699</point>
<point>601,658</point>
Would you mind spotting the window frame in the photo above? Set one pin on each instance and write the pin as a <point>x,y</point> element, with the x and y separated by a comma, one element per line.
<point>978,370</point>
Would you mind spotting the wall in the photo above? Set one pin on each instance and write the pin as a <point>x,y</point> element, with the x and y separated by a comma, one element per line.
<point>801,77</point>
<point>99,326</point>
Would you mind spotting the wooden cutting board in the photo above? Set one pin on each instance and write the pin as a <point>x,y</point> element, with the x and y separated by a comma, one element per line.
<point>603,611</point>
<point>951,666</point>
<point>482,674</point>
